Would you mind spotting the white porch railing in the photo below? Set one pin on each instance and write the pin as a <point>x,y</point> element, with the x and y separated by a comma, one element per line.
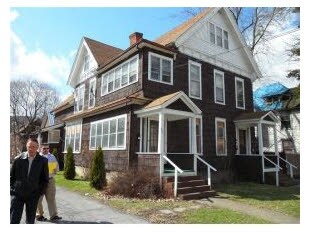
<point>291,166</point>
<point>176,170</point>
<point>209,167</point>
<point>275,169</point>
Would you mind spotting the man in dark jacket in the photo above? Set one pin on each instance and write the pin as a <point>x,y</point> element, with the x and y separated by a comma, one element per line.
<point>28,181</point>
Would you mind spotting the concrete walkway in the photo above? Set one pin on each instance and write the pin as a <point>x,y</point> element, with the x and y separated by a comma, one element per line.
<point>75,208</point>
<point>268,215</point>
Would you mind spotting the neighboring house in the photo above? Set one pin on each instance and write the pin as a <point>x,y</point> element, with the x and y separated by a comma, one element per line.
<point>174,101</point>
<point>285,103</point>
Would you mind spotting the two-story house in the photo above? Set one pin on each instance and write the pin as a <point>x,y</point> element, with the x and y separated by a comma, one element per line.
<point>181,102</point>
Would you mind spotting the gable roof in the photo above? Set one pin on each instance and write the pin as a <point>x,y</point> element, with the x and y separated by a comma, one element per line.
<point>102,53</point>
<point>172,35</point>
<point>256,116</point>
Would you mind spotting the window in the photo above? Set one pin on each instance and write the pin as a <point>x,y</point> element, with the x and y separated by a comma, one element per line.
<point>153,136</point>
<point>73,136</point>
<point>239,90</point>
<point>285,122</point>
<point>199,135</point>
<point>79,98</point>
<point>160,69</point>
<point>218,36</point>
<point>53,136</point>
<point>121,76</point>
<point>219,87</point>
<point>194,80</point>
<point>92,93</point>
<point>220,135</point>
<point>109,134</point>
<point>86,63</point>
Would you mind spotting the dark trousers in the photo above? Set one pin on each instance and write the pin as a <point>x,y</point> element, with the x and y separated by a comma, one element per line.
<point>17,207</point>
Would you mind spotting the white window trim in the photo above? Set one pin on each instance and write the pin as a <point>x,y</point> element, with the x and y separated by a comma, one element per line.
<point>215,33</point>
<point>223,75</point>
<point>114,70</point>
<point>110,119</point>
<point>160,75</point>
<point>237,79</point>
<point>189,79</point>
<point>71,124</point>
<point>217,119</point>
<point>93,80</point>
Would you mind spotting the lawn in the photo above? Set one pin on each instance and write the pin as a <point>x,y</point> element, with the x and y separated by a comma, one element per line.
<point>180,211</point>
<point>281,199</point>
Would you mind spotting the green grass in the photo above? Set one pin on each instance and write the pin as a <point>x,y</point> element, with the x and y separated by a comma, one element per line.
<point>282,199</point>
<point>220,216</point>
<point>77,185</point>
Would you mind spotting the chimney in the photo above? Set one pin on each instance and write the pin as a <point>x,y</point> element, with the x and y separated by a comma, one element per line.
<point>135,37</point>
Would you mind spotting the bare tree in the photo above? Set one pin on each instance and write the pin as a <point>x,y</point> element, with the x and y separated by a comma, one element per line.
<point>29,101</point>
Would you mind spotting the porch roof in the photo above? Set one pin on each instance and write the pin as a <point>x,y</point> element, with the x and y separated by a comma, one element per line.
<point>255,117</point>
<point>164,101</point>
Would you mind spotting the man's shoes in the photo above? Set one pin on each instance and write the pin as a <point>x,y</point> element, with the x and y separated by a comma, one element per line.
<point>41,218</point>
<point>55,218</point>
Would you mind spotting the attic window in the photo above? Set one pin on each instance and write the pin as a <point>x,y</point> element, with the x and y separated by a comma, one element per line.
<point>218,36</point>
<point>86,63</point>
<point>285,122</point>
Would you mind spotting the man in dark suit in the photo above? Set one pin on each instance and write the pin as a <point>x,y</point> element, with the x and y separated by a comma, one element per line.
<point>28,181</point>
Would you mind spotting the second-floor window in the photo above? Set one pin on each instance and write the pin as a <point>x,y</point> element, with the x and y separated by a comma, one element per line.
<point>86,63</point>
<point>194,80</point>
<point>219,87</point>
<point>218,36</point>
<point>92,93</point>
<point>79,98</point>
<point>160,69</point>
<point>121,76</point>
<point>239,89</point>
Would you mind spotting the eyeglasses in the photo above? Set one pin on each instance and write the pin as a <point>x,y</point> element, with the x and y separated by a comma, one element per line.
<point>45,148</point>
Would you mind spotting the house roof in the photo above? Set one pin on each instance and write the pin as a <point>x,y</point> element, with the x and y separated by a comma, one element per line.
<point>102,53</point>
<point>161,100</point>
<point>256,116</point>
<point>173,34</point>
<point>136,98</point>
<point>66,103</point>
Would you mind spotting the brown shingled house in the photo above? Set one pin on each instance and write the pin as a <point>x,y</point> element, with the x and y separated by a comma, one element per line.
<point>168,105</point>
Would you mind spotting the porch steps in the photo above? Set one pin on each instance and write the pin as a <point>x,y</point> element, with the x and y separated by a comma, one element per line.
<point>284,179</point>
<point>189,187</point>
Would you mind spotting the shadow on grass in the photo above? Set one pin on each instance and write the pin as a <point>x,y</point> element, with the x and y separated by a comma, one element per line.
<point>79,222</point>
<point>263,192</point>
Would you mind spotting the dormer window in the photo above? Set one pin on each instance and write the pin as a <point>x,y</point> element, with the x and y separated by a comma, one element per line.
<point>218,36</point>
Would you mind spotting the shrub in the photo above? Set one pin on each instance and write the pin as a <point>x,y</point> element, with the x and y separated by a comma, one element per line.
<point>69,171</point>
<point>97,172</point>
<point>135,184</point>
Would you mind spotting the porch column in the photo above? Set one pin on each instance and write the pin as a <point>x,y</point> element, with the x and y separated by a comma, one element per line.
<point>276,153</point>
<point>237,139</point>
<point>141,135</point>
<point>161,141</point>
<point>260,147</point>
<point>194,141</point>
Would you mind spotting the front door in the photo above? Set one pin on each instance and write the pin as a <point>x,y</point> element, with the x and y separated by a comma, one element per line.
<point>242,141</point>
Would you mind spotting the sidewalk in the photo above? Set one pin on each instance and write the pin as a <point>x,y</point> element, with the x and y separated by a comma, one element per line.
<point>268,215</point>
<point>75,208</point>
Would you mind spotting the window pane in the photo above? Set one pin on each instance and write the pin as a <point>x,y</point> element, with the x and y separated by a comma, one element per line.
<point>125,74</point>
<point>226,40</point>
<point>121,125</point>
<point>118,74</point>
<point>111,82</point>
<point>221,138</point>
<point>105,141</point>
<point>155,68</point>
<point>212,33</point>
<point>112,140</point>
<point>133,71</point>
<point>240,94</point>
<point>166,72</point>
<point>195,89</point>
<point>104,84</point>
<point>219,36</point>
<point>113,126</point>
<point>120,140</point>
<point>106,127</point>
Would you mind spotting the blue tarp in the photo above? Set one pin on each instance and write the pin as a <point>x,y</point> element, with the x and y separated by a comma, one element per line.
<point>260,95</point>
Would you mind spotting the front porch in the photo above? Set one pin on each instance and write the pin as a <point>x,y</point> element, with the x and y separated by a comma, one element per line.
<point>170,137</point>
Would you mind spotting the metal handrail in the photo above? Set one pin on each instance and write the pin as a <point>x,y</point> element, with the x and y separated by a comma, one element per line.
<point>209,167</point>
<point>272,162</point>
<point>291,166</point>
<point>176,170</point>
